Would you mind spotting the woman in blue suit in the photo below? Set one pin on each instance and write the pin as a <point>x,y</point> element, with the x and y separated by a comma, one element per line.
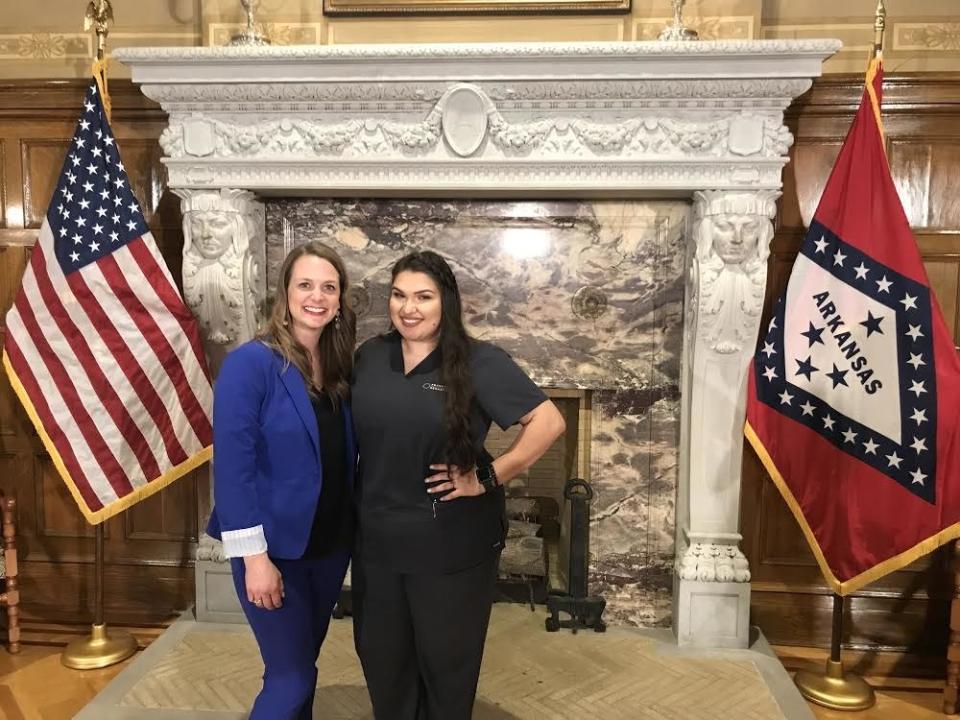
<point>284,460</point>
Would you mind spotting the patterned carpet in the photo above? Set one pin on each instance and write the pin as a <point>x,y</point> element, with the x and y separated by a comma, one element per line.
<point>212,671</point>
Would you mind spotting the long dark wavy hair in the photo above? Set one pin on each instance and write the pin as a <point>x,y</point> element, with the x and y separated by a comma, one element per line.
<point>454,343</point>
<point>337,339</point>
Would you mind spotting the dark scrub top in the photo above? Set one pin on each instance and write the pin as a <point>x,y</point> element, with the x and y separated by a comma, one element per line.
<point>333,521</point>
<point>399,427</point>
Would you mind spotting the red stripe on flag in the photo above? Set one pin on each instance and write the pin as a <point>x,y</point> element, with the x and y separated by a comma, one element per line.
<point>131,368</point>
<point>158,343</point>
<point>98,380</point>
<point>50,425</point>
<point>169,296</point>
<point>74,405</point>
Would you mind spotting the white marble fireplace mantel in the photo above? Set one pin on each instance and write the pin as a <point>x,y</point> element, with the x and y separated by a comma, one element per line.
<point>582,120</point>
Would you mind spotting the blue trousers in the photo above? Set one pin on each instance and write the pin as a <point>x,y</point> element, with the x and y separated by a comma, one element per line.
<point>290,637</point>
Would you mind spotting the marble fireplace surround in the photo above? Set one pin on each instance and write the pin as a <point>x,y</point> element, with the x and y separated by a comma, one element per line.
<point>625,121</point>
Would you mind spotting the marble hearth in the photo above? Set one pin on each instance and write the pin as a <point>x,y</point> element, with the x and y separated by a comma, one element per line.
<point>608,208</point>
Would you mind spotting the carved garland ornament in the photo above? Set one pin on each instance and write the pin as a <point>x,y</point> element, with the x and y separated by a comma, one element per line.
<point>467,105</point>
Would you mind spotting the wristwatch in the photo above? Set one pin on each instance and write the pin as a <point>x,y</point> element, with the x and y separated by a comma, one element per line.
<point>487,477</point>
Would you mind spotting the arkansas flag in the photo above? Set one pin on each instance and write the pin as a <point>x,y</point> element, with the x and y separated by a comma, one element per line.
<point>852,395</point>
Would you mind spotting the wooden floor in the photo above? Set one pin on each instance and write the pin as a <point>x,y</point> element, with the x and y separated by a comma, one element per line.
<point>35,686</point>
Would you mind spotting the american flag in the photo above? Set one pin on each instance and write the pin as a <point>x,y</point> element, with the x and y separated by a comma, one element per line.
<point>100,348</point>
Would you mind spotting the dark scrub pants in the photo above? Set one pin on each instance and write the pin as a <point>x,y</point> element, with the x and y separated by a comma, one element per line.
<point>420,638</point>
<point>424,572</point>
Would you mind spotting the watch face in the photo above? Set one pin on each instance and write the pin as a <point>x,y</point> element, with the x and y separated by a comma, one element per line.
<point>487,477</point>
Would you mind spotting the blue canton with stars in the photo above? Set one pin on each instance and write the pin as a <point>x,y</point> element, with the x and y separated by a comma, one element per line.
<point>912,461</point>
<point>93,211</point>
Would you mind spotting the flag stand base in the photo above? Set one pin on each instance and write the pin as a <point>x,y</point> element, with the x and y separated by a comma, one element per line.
<point>101,649</point>
<point>835,689</point>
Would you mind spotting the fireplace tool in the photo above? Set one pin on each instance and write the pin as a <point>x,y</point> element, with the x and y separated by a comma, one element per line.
<point>584,610</point>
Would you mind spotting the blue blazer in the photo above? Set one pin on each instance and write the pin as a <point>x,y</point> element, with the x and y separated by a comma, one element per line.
<point>266,450</point>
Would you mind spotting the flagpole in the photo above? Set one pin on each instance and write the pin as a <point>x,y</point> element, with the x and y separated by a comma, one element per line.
<point>879,26</point>
<point>835,688</point>
<point>102,648</point>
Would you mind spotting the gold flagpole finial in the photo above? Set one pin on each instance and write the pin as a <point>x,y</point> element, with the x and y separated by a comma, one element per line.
<point>879,25</point>
<point>99,14</point>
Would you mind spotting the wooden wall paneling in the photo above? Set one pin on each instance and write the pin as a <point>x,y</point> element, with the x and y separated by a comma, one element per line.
<point>943,184</point>
<point>139,594</point>
<point>58,524</point>
<point>906,610</point>
<point>149,548</point>
<point>159,517</point>
<point>42,159</point>
<point>944,274</point>
<point>3,182</point>
<point>812,162</point>
<point>13,260</point>
<point>910,164</point>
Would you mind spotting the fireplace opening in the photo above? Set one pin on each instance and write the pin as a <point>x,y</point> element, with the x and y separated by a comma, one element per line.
<point>536,556</point>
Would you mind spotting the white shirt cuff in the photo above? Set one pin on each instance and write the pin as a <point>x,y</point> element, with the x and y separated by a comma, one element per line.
<point>240,543</point>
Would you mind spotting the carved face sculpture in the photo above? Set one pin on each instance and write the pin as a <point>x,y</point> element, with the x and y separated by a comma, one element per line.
<point>211,232</point>
<point>735,237</point>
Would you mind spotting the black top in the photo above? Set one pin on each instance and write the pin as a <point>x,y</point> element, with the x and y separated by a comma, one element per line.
<point>399,426</point>
<point>333,521</point>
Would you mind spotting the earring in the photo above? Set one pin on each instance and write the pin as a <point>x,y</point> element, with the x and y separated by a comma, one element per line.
<point>336,319</point>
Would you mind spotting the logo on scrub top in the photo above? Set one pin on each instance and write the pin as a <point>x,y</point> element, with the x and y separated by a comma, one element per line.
<point>435,387</point>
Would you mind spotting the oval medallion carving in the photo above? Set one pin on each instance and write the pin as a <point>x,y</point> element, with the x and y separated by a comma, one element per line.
<point>464,120</point>
<point>589,302</point>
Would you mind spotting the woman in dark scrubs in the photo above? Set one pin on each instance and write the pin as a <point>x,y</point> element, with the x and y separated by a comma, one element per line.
<point>431,500</point>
